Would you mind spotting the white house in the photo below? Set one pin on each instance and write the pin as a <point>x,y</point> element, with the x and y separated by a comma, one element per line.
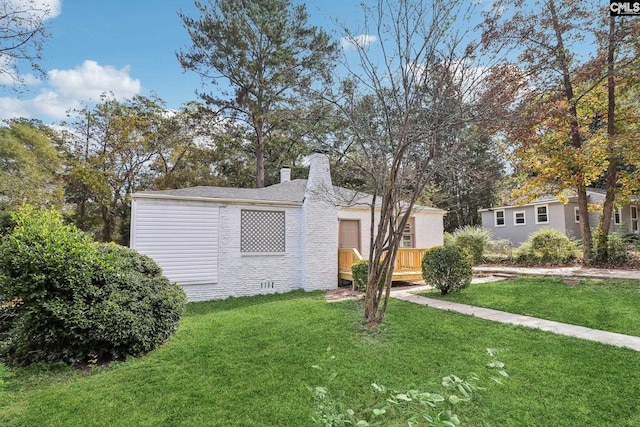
<point>219,242</point>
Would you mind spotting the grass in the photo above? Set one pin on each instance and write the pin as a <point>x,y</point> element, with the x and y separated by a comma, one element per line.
<point>247,362</point>
<point>610,305</point>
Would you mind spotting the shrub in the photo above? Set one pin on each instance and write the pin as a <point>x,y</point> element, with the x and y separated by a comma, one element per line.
<point>360,272</point>
<point>632,240</point>
<point>67,299</point>
<point>448,239</point>
<point>139,308</point>
<point>447,268</point>
<point>547,245</point>
<point>617,247</point>
<point>473,240</point>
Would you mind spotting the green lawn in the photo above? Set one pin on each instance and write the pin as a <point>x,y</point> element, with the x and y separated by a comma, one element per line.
<point>611,305</point>
<point>247,362</point>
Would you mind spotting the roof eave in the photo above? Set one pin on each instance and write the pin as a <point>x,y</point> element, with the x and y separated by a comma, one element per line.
<point>221,200</point>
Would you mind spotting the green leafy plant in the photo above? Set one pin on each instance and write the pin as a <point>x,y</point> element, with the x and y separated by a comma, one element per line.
<point>360,272</point>
<point>617,247</point>
<point>447,268</point>
<point>473,240</point>
<point>547,245</point>
<point>412,407</point>
<point>67,299</point>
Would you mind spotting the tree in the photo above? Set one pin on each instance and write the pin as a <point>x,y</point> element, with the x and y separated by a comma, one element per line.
<point>550,133</point>
<point>405,108</point>
<point>108,149</point>
<point>471,183</point>
<point>271,61</point>
<point>619,42</point>
<point>22,36</point>
<point>560,114</point>
<point>30,166</point>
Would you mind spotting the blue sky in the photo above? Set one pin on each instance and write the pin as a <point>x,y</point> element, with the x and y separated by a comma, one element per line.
<point>124,46</point>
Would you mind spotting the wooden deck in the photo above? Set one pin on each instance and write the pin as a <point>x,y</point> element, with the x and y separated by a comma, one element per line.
<point>407,266</point>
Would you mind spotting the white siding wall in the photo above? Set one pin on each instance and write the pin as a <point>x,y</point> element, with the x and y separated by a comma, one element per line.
<point>182,237</point>
<point>429,227</point>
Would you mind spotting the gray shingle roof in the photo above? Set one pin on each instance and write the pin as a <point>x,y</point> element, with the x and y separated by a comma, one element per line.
<point>291,191</point>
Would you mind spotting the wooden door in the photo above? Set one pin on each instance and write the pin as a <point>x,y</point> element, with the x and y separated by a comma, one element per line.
<point>349,236</point>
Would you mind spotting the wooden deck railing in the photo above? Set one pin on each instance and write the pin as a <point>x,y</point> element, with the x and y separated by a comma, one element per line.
<point>409,259</point>
<point>406,267</point>
<point>347,257</point>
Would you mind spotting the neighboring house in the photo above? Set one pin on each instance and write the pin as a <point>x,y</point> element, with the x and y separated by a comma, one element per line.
<point>219,242</point>
<point>516,223</point>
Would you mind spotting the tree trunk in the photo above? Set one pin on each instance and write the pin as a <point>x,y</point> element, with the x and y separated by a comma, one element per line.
<point>585,228</point>
<point>576,138</point>
<point>602,254</point>
<point>260,149</point>
<point>107,224</point>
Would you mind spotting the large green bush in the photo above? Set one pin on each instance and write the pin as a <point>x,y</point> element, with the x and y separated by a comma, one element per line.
<point>447,268</point>
<point>68,299</point>
<point>547,246</point>
<point>473,239</point>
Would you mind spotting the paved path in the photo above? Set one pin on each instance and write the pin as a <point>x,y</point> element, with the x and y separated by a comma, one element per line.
<point>585,272</point>
<point>612,338</point>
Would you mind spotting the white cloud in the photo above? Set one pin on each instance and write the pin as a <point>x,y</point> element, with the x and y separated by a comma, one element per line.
<point>12,107</point>
<point>90,80</point>
<point>72,89</point>
<point>47,9</point>
<point>360,41</point>
<point>7,73</point>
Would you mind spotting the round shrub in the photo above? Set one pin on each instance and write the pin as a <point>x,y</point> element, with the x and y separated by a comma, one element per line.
<point>139,308</point>
<point>545,246</point>
<point>447,268</point>
<point>68,299</point>
<point>473,240</point>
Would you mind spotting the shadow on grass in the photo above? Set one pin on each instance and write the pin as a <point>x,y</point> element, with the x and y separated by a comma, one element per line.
<point>207,307</point>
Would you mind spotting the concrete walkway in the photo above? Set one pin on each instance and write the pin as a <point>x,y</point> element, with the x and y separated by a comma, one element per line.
<point>612,338</point>
<point>578,271</point>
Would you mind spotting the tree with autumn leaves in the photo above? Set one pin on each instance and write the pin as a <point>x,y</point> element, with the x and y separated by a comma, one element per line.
<point>568,81</point>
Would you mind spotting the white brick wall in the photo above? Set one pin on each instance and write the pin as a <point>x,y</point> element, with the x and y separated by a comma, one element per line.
<point>319,229</point>
<point>244,274</point>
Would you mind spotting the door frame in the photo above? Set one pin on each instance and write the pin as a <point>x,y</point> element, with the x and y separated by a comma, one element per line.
<point>357,221</point>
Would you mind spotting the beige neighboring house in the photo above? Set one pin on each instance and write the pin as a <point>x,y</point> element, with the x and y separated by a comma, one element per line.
<point>219,242</point>
<point>516,223</point>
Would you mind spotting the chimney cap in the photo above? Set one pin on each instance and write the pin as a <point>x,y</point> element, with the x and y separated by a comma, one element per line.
<point>285,174</point>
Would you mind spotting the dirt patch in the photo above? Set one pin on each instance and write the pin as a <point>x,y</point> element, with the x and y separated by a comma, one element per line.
<point>343,294</point>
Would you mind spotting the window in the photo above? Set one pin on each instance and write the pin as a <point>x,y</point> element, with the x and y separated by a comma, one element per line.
<point>519,218</point>
<point>542,214</point>
<point>576,214</point>
<point>262,231</point>
<point>408,240</point>
<point>499,218</point>
<point>634,219</point>
<point>617,216</point>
